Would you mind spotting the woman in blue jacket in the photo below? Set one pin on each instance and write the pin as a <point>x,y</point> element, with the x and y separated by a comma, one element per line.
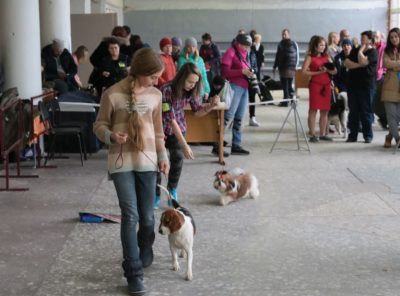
<point>190,54</point>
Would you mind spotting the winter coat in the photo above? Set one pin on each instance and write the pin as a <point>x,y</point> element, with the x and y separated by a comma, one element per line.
<point>50,65</point>
<point>287,57</point>
<point>391,85</point>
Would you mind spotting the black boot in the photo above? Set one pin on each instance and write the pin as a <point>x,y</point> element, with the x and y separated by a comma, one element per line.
<point>215,151</point>
<point>145,243</point>
<point>135,286</point>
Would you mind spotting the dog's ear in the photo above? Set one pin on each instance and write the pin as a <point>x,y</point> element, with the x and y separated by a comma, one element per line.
<point>176,222</point>
<point>219,174</point>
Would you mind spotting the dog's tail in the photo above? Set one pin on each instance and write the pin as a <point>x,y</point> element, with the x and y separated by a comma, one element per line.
<point>175,204</point>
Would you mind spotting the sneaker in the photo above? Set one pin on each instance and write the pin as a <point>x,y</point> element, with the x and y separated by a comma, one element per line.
<point>215,151</point>
<point>135,286</point>
<point>253,121</point>
<point>157,201</point>
<point>238,150</point>
<point>146,256</point>
<point>313,139</point>
<point>174,195</point>
<point>325,138</point>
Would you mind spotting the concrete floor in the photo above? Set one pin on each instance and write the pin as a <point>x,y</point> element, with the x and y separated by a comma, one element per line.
<point>325,224</point>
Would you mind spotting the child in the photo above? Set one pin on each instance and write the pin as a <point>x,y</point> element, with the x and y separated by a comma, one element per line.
<point>129,121</point>
<point>184,89</point>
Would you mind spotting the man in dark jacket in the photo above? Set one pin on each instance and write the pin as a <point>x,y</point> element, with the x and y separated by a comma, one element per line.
<point>341,78</point>
<point>59,66</point>
<point>212,58</point>
<point>361,64</point>
<point>286,60</point>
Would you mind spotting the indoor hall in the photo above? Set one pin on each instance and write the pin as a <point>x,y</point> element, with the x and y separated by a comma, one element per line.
<point>325,222</point>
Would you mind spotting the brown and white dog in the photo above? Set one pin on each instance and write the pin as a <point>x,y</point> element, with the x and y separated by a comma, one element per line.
<point>235,185</point>
<point>179,225</point>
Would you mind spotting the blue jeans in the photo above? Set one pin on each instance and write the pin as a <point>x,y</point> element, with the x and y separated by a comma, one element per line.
<point>360,107</point>
<point>135,191</point>
<point>236,111</point>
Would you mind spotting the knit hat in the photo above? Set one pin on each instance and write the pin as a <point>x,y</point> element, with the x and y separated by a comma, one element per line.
<point>191,41</point>
<point>165,41</point>
<point>244,39</point>
<point>176,41</point>
<point>346,42</point>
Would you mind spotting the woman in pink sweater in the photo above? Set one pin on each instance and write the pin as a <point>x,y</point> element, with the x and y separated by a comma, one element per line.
<point>236,69</point>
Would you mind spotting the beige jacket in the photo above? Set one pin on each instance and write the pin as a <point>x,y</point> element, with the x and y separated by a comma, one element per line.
<point>113,116</point>
<point>391,85</point>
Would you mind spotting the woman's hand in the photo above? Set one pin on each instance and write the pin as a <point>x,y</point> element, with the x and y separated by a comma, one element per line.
<point>247,72</point>
<point>164,166</point>
<point>119,138</point>
<point>323,69</point>
<point>188,152</point>
<point>215,100</point>
<point>106,73</point>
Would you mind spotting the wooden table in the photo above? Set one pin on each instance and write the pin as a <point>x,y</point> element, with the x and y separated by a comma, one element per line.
<point>207,129</point>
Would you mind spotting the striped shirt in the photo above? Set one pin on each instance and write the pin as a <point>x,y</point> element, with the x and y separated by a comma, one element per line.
<point>173,108</point>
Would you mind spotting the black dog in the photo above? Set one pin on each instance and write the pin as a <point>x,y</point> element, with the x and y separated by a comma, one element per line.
<point>338,114</point>
<point>266,85</point>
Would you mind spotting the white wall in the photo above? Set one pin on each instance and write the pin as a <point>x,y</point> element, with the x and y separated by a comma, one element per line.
<point>154,19</point>
<point>253,4</point>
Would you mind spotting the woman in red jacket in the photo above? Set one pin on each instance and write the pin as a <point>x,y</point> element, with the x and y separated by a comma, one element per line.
<point>169,64</point>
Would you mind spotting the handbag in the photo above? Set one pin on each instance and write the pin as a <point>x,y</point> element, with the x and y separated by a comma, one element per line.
<point>226,94</point>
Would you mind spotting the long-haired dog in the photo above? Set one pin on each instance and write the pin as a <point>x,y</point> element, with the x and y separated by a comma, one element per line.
<point>338,114</point>
<point>179,225</point>
<point>235,185</point>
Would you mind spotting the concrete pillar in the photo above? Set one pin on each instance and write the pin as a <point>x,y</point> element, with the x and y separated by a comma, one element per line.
<point>20,46</point>
<point>55,21</point>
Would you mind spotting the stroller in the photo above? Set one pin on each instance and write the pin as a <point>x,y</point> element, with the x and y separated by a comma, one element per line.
<point>268,84</point>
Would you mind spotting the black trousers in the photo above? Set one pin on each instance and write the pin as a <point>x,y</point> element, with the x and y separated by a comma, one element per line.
<point>176,157</point>
<point>287,86</point>
<point>252,99</point>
